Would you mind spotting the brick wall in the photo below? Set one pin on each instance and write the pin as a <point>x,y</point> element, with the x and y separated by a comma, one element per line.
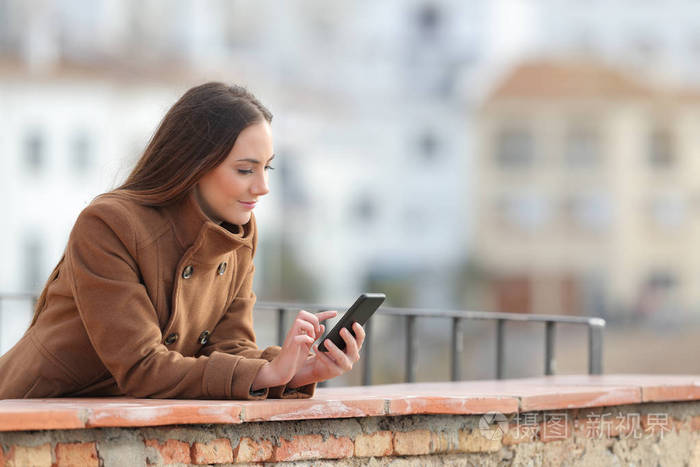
<point>628,434</point>
<point>553,420</point>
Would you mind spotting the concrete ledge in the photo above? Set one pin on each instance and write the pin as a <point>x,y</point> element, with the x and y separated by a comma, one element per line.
<point>461,398</point>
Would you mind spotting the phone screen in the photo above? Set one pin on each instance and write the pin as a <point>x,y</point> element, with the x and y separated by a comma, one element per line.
<point>360,311</point>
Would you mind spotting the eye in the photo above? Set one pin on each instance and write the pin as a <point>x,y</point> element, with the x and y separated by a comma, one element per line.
<point>269,167</point>
<point>245,171</point>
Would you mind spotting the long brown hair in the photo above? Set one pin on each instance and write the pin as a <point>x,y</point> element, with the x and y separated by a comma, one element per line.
<point>196,135</point>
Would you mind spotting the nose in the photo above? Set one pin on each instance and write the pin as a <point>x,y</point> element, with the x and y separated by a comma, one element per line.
<point>260,186</point>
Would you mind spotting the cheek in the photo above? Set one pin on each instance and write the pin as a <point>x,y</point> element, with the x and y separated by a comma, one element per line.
<point>228,186</point>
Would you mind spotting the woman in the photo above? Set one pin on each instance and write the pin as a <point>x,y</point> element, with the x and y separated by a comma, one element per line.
<point>153,296</point>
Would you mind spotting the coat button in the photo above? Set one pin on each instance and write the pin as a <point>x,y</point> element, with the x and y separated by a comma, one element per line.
<point>187,272</point>
<point>222,269</point>
<point>171,339</point>
<point>204,337</point>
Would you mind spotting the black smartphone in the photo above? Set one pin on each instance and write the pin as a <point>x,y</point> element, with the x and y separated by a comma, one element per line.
<point>360,311</point>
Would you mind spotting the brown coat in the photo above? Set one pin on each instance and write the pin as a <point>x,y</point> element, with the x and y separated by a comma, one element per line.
<point>147,302</point>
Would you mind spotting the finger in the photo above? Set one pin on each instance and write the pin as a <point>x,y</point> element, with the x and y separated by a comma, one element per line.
<point>310,318</point>
<point>359,334</point>
<point>324,315</point>
<point>351,349</point>
<point>304,339</point>
<point>338,356</point>
<point>304,327</point>
<point>328,362</point>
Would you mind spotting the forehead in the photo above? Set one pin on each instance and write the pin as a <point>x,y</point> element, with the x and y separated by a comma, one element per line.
<point>254,142</point>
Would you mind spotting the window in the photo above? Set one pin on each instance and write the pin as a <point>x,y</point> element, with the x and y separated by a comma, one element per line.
<point>428,146</point>
<point>661,150</point>
<point>34,151</point>
<point>590,211</point>
<point>582,148</point>
<point>514,148</point>
<point>428,18</point>
<point>364,208</point>
<point>81,153</point>
<point>668,210</point>
<point>526,211</point>
<point>661,280</point>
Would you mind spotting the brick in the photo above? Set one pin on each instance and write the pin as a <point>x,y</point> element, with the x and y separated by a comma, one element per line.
<point>217,451</point>
<point>76,454</point>
<point>377,444</point>
<point>695,423</point>
<point>36,456</point>
<point>306,447</point>
<point>474,441</point>
<point>249,450</point>
<point>440,443</point>
<point>412,443</point>
<point>680,425</point>
<point>171,451</point>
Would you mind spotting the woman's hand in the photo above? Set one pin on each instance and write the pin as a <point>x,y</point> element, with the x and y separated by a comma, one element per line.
<point>326,365</point>
<point>305,330</point>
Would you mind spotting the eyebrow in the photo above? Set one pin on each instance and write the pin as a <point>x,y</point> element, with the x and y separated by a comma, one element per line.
<point>253,161</point>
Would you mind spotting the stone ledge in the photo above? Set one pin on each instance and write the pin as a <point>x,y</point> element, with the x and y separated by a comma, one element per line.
<point>460,398</point>
<point>651,433</point>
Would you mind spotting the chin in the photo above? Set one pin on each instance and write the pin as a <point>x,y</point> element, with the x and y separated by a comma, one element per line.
<point>239,219</point>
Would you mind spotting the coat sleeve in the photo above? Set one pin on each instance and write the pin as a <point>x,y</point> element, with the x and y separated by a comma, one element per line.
<point>122,324</point>
<point>234,335</point>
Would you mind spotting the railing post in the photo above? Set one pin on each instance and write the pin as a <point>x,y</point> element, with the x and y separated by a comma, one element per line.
<point>549,348</point>
<point>367,355</point>
<point>457,344</point>
<point>281,332</point>
<point>595,346</point>
<point>410,349</point>
<point>500,344</point>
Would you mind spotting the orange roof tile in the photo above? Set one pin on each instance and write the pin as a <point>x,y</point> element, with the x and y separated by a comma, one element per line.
<point>558,80</point>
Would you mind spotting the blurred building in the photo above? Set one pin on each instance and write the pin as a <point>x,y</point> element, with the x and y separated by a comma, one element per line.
<point>369,107</point>
<point>588,192</point>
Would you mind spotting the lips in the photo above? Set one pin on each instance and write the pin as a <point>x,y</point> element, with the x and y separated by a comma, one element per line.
<point>248,204</point>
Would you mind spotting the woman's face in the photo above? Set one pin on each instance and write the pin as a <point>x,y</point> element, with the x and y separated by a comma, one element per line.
<point>229,191</point>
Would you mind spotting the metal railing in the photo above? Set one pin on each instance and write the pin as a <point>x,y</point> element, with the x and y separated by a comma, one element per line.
<point>595,335</point>
<point>457,317</point>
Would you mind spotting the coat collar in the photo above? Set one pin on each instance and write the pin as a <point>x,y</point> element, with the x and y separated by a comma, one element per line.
<point>194,228</point>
